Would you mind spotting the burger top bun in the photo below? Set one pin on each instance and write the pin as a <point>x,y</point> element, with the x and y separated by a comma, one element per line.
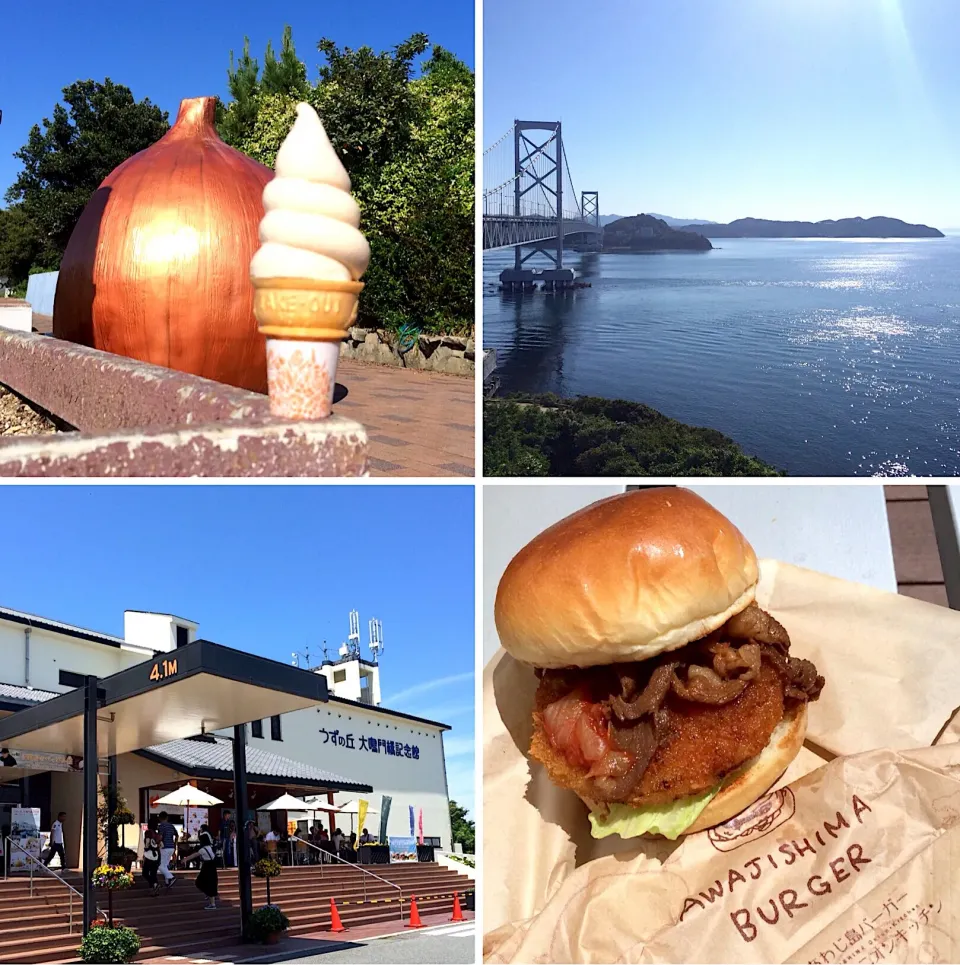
<point>624,579</point>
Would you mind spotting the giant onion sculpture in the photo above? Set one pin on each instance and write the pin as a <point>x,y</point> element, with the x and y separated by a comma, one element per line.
<point>158,266</point>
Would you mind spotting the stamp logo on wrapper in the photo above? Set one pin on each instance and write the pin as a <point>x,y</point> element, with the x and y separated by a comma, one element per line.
<point>760,818</point>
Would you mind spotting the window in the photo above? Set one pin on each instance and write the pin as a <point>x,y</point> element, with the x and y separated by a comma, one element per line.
<point>70,679</point>
<point>256,728</point>
<point>275,729</point>
<point>183,636</point>
<point>339,676</point>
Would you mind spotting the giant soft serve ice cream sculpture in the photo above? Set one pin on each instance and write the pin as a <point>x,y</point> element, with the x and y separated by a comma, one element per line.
<point>307,270</point>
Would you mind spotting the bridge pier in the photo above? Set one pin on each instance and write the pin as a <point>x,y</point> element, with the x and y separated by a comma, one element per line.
<point>525,279</point>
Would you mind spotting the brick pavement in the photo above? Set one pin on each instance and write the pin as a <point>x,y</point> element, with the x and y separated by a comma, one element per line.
<point>418,423</point>
<point>313,943</point>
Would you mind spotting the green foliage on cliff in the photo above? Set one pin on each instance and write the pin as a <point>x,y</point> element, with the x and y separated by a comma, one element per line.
<point>407,143</point>
<point>543,435</point>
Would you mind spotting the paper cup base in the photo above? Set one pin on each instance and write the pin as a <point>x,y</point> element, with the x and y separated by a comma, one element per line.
<point>300,377</point>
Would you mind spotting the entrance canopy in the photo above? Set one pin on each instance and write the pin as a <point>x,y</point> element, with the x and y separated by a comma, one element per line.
<point>195,689</point>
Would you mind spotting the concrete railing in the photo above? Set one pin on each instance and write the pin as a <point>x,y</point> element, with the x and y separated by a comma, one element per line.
<point>134,419</point>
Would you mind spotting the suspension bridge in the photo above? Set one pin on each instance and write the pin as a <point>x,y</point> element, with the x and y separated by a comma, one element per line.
<point>531,205</point>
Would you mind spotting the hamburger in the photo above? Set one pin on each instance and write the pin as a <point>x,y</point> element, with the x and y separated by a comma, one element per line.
<point>667,699</point>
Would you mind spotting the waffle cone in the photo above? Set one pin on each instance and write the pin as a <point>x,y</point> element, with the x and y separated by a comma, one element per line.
<point>305,308</point>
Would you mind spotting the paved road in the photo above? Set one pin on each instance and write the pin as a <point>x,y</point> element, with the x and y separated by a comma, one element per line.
<point>453,945</point>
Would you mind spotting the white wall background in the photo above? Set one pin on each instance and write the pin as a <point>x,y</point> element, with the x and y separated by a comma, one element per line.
<point>838,530</point>
<point>52,652</point>
<point>421,783</point>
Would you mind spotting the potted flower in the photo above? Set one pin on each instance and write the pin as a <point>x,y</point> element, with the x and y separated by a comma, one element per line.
<point>267,924</point>
<point>267,868</point>
<point>108,945</point>
<point>112,878</point>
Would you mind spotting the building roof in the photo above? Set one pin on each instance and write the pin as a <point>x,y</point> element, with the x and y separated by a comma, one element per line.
<point>380,709</point>
<point>212,757</point>
<point>158,613</point>
<point>25,694</point>
<point>13,697</point>
<point>42,623</point>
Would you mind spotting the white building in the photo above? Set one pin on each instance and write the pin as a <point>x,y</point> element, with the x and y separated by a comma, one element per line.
<point>334,750</point>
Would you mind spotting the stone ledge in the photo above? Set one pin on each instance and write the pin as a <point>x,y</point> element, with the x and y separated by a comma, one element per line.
<point>136,419</point>
<point>450,354</point>
<point>333,447</point>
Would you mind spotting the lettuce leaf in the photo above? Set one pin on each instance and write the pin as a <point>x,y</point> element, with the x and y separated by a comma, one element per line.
<point>670,820</point>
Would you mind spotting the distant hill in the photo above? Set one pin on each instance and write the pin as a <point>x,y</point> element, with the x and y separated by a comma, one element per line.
<point>679,222</point>
<point>644,232</point>
<point>844,228</point>
<point>605,219</point>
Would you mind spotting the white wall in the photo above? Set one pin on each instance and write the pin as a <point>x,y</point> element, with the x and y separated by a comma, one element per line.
<point>421,783</point>
<point>52,652</point>
<point>16,315</point>
<point>41,289</point>
<point>155,631</point>
<point>349,687</point>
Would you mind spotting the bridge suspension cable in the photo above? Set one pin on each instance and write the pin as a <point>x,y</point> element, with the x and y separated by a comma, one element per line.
<point>499,140</point>
<point>530,202</point>
<point>529,168</point>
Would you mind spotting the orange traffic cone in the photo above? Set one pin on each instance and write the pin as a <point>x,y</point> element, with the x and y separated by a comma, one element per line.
<point>335,923</point>
<point>457,913</point>
<point>414,914</point>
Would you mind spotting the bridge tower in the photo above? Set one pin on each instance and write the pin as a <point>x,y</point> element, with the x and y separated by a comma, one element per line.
<point>550,182</point>
<point>590,206</point>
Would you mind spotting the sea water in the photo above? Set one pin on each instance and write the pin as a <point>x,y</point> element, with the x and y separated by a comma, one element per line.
<point>823,357</point>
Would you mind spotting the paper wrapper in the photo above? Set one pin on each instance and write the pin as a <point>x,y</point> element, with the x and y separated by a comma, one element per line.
<point>854,857</point>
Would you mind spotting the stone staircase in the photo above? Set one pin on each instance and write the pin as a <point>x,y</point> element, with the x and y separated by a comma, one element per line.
<point>36,929</point>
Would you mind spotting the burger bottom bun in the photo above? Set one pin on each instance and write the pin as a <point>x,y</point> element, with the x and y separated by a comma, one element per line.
<point>754,778</point>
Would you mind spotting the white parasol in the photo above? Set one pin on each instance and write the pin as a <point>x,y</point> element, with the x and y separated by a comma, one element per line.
<point>189,796</point>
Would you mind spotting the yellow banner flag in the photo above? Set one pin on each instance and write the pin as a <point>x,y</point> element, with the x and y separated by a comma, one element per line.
<point>362,816</point>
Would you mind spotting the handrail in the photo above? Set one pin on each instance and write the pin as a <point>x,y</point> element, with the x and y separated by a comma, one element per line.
<point>34,860</point>
<point>310,844</point>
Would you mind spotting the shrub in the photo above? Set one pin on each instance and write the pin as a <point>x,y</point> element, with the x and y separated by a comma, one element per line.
<point>543,435</point>
<point>463,859</point>
<point>108,945</point>
<point>266,921</point>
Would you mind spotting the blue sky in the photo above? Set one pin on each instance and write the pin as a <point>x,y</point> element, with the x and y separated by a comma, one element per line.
<point>270,570</point>
<point>182,49</point>
<point>785,109</point>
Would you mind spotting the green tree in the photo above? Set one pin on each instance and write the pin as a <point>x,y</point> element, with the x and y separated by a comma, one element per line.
<point>407,144</point>
<point>367,104</point>
<point>462,829</point>
<point>20,245</point>
<point>288,75</point>
<point>243,80</point>
<point>63,164</point>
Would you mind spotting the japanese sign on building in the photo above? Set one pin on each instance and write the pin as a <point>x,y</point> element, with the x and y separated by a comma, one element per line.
<point>373,745</point>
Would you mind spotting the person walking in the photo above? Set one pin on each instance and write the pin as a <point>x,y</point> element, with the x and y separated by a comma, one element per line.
<point>207,880</point>
<point>168,847</point>
<point>252,843</point>
<point>56,842</point>
<point>151,856</point>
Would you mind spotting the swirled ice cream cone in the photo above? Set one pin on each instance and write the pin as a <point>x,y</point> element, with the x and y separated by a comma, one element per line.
<point>306,274</point>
